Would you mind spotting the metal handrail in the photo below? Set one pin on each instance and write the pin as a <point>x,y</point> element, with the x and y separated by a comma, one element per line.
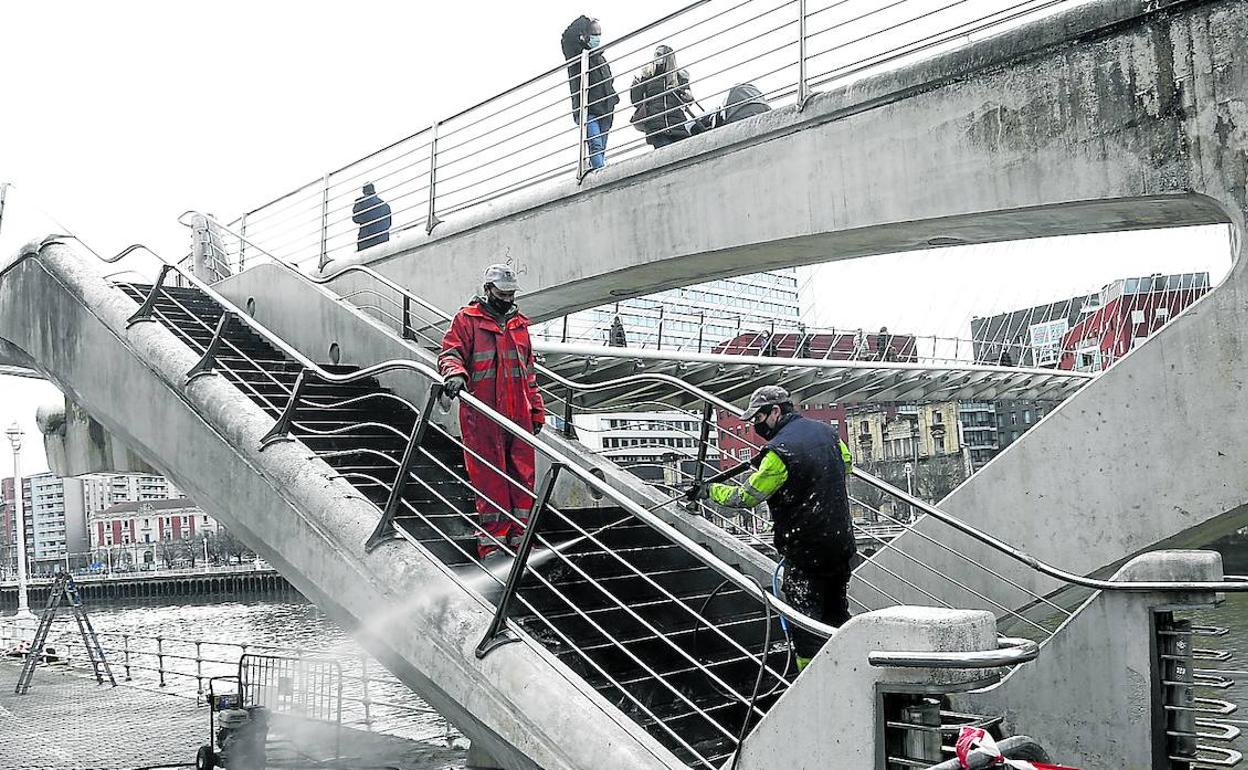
<point>1043,567</point>
<point>649,518</point>
<point>1010,652</point>
<point>884,486</point>
<point>326,278</point>
<point>808,42</point>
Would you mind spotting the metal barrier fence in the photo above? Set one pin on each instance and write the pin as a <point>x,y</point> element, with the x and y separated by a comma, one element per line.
<point>374,699</point>
<point>532,134</point>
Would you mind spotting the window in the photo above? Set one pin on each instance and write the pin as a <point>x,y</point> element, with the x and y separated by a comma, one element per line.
<point>1137,316</point>
<point>1013,418</point>
<point>1027,416</point>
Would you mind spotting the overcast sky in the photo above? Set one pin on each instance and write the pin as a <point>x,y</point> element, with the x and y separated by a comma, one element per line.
<point>116,117</point>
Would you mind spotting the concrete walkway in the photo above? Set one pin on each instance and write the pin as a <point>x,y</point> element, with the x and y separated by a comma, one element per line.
<point>68,722</point>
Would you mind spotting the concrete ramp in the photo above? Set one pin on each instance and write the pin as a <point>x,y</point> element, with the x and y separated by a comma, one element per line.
<point>520,704</point>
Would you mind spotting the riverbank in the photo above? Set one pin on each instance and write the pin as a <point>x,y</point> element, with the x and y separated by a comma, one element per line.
<point>68,722</point>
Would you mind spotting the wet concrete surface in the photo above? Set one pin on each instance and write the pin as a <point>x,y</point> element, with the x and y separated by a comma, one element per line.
<point>68,722</point>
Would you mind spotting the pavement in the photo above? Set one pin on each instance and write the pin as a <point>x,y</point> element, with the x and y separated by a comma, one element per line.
<point>68,722</point>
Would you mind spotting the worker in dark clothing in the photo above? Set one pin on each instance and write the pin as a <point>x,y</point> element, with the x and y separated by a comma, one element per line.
<point>585,34</point>
<point>372,214</point>
<point>801,475</point>
<point>488,351</point>
<point>660,93</point>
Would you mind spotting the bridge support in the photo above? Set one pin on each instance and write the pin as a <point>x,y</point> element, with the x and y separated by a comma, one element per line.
<point>840,686</point>
<point>1100,673</point>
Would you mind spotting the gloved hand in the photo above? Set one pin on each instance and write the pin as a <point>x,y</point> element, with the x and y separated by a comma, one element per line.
<point>537,428</point>
<point>454,384</point>
<point>694,492</point>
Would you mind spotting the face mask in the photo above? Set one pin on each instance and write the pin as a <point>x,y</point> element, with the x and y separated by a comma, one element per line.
<point>500,305</point>
<point>595,41</point>
<point>764,431</point>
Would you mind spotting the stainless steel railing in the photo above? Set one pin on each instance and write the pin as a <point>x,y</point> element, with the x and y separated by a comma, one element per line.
<point>526,135</point>
<point>181,665</point>
<point>440,318</point>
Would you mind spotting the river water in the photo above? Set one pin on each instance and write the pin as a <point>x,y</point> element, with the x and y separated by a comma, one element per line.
<point>225,631</point>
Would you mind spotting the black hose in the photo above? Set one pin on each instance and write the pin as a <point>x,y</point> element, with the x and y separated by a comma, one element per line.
<point>758,681</point>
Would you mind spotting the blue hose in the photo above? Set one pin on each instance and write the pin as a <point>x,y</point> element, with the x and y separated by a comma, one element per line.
<point>775,591</point>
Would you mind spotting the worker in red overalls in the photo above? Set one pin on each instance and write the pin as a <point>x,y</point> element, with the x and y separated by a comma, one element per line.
<point>487,350</point>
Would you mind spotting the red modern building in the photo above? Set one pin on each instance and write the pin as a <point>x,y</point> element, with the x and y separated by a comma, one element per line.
<point>1124,314</point>
<point>736,437</point>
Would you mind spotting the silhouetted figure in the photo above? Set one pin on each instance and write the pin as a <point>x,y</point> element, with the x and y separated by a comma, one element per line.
<point>616,337</point>
<point>660,93</point>
<point>881,344</point>
<point>1005,358</point>
<point>372,214</point>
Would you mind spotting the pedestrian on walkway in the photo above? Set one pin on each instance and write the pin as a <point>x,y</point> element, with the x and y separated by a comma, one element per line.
<point>660,94</point>
<point>487,350</point>
<point>585,34</point>
<point>801,475</point>
<point>372,214</point>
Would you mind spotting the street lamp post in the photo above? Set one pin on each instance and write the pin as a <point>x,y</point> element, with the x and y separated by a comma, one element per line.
<point>15,434</point>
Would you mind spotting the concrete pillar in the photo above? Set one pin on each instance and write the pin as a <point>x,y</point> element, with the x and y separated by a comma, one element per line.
<point>1097,675</point>
<point>831,716</point>
<point>479,759</point>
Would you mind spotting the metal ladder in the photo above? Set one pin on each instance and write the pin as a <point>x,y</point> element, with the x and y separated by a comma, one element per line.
<point>64,588</point>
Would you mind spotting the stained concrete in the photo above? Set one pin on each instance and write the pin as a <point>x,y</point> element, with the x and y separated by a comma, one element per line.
<point>1075,123</point>
<point>829,717</point>
<point>1089,707</point>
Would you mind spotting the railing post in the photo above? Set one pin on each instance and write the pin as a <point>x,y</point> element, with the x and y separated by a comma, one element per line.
<point>208,361</point>
<point>660,340</point>
<point>4,188</point>
<point>699,471</point>
<point>324,260</point>
<point>281,428</point>
<point>582,154</point>
<point>564,337</point>
<point>144,313</point>
<point>701,328</point>
<point>408,334</point>
<point>569,429</point>
<point>498,634</point>
<point>368,719</point>
<point>385,528</point>
<point>432,220</point>
<point>160,659</point>
<point>803,88</point>
<point>242,243</point>
<point>199,672</point>
<point>125,642</point>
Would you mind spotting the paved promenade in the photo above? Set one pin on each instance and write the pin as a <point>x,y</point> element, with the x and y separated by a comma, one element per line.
<point>67,722</point>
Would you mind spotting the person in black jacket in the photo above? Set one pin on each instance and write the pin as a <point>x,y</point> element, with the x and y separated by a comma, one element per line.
<point>801,476</point>
<point>372,214</point>
<point>659,94</point>
<point>585,34</point>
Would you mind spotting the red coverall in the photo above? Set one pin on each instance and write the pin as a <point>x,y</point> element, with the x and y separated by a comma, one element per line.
<point>496,356</point>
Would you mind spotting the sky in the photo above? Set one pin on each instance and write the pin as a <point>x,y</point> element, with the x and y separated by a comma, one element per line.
<point>117,117</point>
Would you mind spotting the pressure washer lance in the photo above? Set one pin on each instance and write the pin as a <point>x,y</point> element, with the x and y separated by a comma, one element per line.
<point>500,566</point>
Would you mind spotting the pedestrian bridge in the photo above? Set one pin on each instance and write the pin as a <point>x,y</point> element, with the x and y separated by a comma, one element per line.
<point>648,643</point>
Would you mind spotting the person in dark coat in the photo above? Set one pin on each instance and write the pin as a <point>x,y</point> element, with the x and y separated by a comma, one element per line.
<point>617,338</point>
<point>372,214</point>
<point>801,475</point>
<point>659,94</point>
<point>585,34</point>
